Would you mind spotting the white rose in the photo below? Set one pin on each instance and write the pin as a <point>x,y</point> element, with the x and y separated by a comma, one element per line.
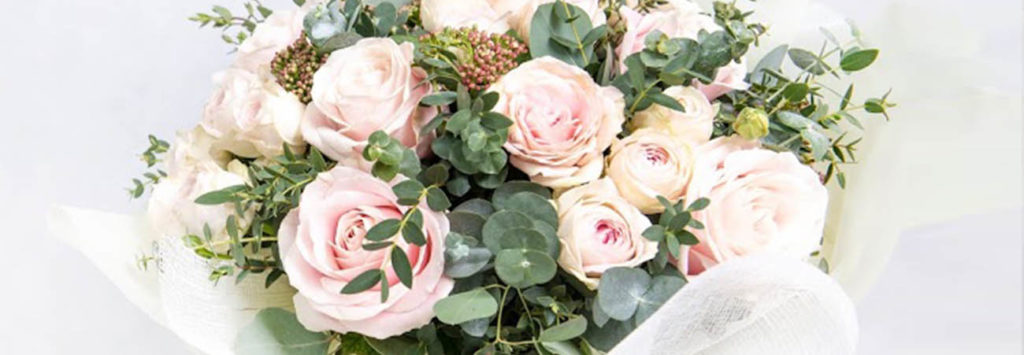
<point>648,164</point>
<point>192,172</point>
<point>437,15</point>
<point>278,32</point>
<point>252,116</point>
<point>599,230</point>
<point>694,126</point>
<point>521,13</point>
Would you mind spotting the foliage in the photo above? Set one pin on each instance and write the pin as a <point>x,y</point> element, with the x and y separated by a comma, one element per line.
<point>234,28</point>
<point>151,157</point>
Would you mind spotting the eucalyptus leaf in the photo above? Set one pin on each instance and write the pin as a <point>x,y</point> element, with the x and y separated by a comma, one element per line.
<point>521,268</point>
<point>567,330</point>
<point>621,290</point>
<point>662,288</point>
<point>463,307</point>
<point>275,331</point>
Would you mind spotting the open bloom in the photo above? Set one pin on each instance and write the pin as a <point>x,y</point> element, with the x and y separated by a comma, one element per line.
<point>648,164</point>
<point>761,201</point>
<point>678,19</point>
<point>694,126</point>
<point>274,34</point>
<point>252,116</point>
<point>322,250</point>
<point>368,87</point>
<point>485,15</point>
<point>195,168</point>
<point>599,230</point>
<point>562,121</point>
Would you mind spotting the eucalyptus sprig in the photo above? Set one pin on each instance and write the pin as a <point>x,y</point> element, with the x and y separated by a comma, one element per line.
<point>673,230</point>
<point>151,157</point>
<point>273,190</point>
<point>235,28</point>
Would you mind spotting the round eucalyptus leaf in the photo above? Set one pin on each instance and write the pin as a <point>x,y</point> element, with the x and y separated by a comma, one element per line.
<point>523,268</point>
<point>520,238</point>
<point>478,206</point>
<point>466,306</point>
<point>503,192</point>
<point>467,223</point>
<point>567,330</point>
<point>474,260</point>
<point>621,290</point>
<point>534,206</point>
<point>500,222</point>
<point>662,288</point>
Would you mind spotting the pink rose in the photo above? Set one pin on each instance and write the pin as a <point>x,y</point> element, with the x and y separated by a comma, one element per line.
<point>761,201</point>
<point>364,88</point>
<point>647,164</point>
<point>563,121</point>
<point>275,34</point>
<point>599,230</point>
<point>252,116</point>
<point>728,78</point>
<point>693,126</point>
<point>321,245</point>
<point>680,19</point>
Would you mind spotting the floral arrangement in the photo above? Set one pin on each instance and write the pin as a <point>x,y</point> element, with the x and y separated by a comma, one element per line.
<point>464,176</point>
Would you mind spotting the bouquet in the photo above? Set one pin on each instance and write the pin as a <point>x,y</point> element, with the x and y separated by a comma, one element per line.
<point>498,177</point>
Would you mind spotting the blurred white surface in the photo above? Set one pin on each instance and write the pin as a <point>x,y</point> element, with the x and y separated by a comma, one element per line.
<point>83,82</point>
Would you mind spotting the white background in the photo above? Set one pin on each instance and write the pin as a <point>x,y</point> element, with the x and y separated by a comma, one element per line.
<point>83,82</point>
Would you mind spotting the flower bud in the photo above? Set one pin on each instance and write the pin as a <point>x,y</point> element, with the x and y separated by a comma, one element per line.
<point>752,123</point>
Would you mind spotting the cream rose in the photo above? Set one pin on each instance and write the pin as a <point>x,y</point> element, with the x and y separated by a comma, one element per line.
<point>678,19</point>
<point>563,121</point>
<point>761,201</point>
<point>599,230</point>
<point>728,78</point>
<point>193,170</point>
<point>252,116</point>
<point>321,244</point>
<point>365,88</point>
<point>521,13</point>
<point>486,15</point>
<point>274,34</point>
<point>648,164</point>
<point>694,126</point>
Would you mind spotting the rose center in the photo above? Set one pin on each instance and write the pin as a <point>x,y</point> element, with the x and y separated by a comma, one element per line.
<point>655,155</point>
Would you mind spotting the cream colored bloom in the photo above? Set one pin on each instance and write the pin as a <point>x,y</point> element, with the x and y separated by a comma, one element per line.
<point>648,164</point>
<point>599,230</point>
<point>252,116</point>
<point>694,126</point>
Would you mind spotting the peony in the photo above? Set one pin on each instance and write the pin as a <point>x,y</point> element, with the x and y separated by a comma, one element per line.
<point>679,19</point>
<point>521,13</point>
<point>485,15</point>
<point>599,230</point>
<point>321,244</point>
<point>761,201</point>
<point>252,116</point>
<point>364,88</point>
<point>194,170</point>
<point>273,35</point>
<point>648,164</point>
<point>728,78</point>
<point>563,121</point>
<point>694,126</point>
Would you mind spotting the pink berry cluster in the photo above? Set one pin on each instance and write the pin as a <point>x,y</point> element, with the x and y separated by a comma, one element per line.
<point>484,58</point>
<point>294,67</point>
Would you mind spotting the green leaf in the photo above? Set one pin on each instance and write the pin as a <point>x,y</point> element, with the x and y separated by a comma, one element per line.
<point>383,230</point>
<point>771,61</point>
<point>414,234</point>
<point>700,204</point>
<point>667,101</point>
<point>478,206</point>
<point>794,120</point>
<point>549,26</point>
<point>500,222</point>
<point>221,196</point>
<point>275,331</point>
<point>807,60</point>
<point>458,186</point>
<point>819,142</point>
<point>495,121</point>
<point>846,98</point>
<point>569,329</point>
<point>795,92</point>
<point>655,233</point>
<point>400,263</point>
<point>437,200</point>
<point>534,206</point>
<point>363,282</point>
<point>505,191</point>
<point>523,268</point>
<point>466,306</point>
<point>439,99</point>
<point>437,174</point>
<point>519,238</point>
<point>459,121</point>
<point>621,290</point>
<point>462,259</point>
<point>408,192</point>
<point>858,59</point>
<point>662,288</point>
<point>467,223</point>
